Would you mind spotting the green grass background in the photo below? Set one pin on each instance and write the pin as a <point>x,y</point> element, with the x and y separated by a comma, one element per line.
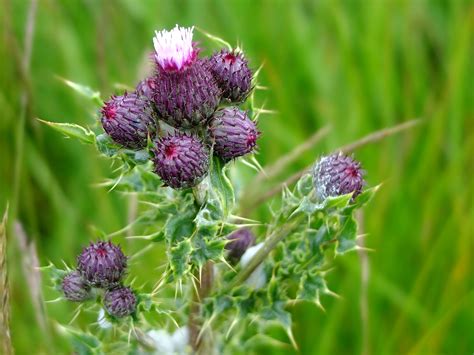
<point>356,65</point>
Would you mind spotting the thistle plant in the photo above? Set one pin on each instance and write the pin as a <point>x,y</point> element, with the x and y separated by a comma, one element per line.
<point>174,140</point>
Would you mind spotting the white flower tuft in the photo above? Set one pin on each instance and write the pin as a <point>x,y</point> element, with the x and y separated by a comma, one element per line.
<point>180,339</point>
<point>170,344</point>
<point>163,342</point>
<point>102,321</point>
<point>174,49</point>
<point>257,279</point>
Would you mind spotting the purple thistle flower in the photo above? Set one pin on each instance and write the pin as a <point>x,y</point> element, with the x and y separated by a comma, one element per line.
<point>234,78</point>
<point>186,99</point>
<point>240,241</point>
<point>120,302</point>
<point>186,94</point>
<point>75,287</point>
<point>181,160</point>
<point>234,133</point>
<point>102,264</point>
<point>336,175</point>
<point>129,120</point>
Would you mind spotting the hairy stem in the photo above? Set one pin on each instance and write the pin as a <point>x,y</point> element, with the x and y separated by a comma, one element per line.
<point>200,343</point>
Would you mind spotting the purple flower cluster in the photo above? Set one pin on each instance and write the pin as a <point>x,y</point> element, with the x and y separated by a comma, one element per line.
<point>101,265</point>
<point>185,92</point>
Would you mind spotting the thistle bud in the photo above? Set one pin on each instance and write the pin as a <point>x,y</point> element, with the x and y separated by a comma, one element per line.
<point>186,94</point>
<point>234,133</point>
<point>120,302</point>
<point>239,242</point>
<point>336,175</point>
<point>181,160</point>
<point>75,287</point>
<point>232,73</point>
<point>102,264</point>
<point>129,120</point>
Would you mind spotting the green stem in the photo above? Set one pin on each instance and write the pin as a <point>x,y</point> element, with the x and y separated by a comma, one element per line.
<point>270,243</point>
<point>203,344</point>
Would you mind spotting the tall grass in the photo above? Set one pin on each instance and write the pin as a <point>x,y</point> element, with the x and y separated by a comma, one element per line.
<point>356,65</point>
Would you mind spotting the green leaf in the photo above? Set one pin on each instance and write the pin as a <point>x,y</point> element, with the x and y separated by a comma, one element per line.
<point>366,196</point>
<point>210,215</point>
<point>84,343</point>
<point>72,130</point>
<point>347,234</point>
<point>54,274</point>
<point>84,91</point>
<point>180,225</point>
<point>277,313</point>
<point>207,247</point>
<point>305,185</point>
<point>310,287</point>
<point>106,146</point>
<point>337,201</point>
<point>221,186</point>
<point>179,258</point>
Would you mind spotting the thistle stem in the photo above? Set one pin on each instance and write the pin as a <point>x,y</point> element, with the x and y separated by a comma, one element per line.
<point>270,244</point>
<point>201,344</point>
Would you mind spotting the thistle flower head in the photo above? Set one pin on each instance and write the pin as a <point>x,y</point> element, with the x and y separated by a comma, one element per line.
<point>233,75</point>
<point>174,50</point>
<point>336,175</point>
<point>120,302</point>
<point>102,264</point>
<point>75,287</point>
<point>239,242</point>
<point>181,160</point>
<point>186,99</point>
<point>234,133</point>
<point>129,119</point>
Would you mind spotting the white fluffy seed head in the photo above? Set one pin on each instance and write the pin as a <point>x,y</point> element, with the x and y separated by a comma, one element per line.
<point>174,49</point>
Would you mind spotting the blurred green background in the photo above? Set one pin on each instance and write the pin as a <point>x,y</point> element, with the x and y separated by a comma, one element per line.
<point>357,66</point>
